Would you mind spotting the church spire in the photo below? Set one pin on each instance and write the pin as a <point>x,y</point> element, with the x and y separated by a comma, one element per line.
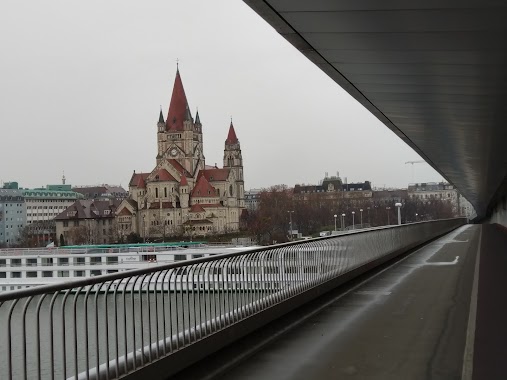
<point>197,119</point>
<point>178,106</point>
<point>231,137</point>
<point>161,117</point>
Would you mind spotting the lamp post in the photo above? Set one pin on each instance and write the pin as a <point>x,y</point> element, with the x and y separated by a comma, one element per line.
<point>361,211</point>
<point>398,205</point>
<point>335,216</point>
<point>353,224</point>
<point>343,221</point>
<point>416,214</point>
<point>290,217</point>
<point>388,208</point>
<point>367,208</point>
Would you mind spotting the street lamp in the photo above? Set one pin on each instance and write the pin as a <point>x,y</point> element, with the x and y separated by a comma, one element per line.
<point>416,214</point>
<point>398,205</point>
<point>335,216</point>
<point>343,221</point>
<point>388,208</point>
<point>361,210</point>
<point>290,216</point>
<point>353,224</point>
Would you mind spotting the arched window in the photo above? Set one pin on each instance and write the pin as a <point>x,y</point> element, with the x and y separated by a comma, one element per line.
<point>230,190</point>
<point>156,192</point>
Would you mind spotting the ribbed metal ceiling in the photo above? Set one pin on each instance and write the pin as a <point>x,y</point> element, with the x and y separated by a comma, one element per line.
<point>433,71</point>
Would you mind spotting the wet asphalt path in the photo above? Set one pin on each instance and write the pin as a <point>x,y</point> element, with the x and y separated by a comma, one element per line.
<point>407,322</point>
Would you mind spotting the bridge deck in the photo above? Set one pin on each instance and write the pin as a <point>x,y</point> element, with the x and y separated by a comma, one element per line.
<point>409,321</point>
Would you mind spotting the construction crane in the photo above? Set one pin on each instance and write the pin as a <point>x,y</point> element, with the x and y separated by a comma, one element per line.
<point>412,163</point>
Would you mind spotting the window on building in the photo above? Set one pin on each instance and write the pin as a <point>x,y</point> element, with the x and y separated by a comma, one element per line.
<point>31,274</point>
<point>2,262</point>
<point>95,260</point>
<point>63,261</point>
<point>79,261</point>
<point>47,261</point>
<point>31,262</point>
<point>63,273</point>
<point>79,273</point>
<point>3,275</point>
<point>15,274</point>
<point>112,260</point>
<point>15,262</point>
<point>95,273</point>
<point>65,223</point>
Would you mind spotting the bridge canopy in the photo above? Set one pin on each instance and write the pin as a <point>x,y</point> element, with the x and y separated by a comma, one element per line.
<point>433,71</point>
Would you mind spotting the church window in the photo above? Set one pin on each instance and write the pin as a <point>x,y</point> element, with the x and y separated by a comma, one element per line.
<point>230,190</point>
<point>156,192</point>
<point>165,192</point>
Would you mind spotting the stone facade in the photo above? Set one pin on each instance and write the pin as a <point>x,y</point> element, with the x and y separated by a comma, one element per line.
<point>182,195</point>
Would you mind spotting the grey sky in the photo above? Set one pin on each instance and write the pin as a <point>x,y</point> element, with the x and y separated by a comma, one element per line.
<point>81,84</point>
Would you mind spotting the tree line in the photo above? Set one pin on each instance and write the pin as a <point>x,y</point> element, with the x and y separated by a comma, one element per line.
<point>270,221</point>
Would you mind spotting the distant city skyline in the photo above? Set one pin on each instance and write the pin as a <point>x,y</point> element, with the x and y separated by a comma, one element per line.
<point>82,90</point>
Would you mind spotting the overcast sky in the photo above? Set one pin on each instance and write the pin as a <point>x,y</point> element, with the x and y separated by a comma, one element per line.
<point>81,83</point>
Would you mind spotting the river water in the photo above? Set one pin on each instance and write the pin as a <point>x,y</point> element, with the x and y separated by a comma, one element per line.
<point>142,318</point>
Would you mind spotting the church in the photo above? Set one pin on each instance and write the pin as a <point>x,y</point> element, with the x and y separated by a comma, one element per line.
<point>182,195</point>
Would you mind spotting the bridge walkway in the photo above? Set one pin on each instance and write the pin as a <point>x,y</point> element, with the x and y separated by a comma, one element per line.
<point>410,320</point>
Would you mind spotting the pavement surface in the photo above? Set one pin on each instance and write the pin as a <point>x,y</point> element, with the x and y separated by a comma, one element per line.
<point>408,321</point>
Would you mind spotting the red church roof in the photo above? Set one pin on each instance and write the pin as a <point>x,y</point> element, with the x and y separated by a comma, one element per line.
<point>125,211</point>
<point>179,167</point>
<point>138,179</point>
<point>178,106</point>
<point>196,208</point>
<point>215,174</point>
<point>164,175</point>
<point>203,189</point>
<point>184,181</point>
<point>231,137</point>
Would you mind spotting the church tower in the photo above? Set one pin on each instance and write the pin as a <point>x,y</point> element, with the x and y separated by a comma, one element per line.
<point>161,136</point>
<point>182,137</point>
<point>234,161</point>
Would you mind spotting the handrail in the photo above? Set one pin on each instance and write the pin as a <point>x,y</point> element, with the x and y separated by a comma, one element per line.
<point>127,320</point>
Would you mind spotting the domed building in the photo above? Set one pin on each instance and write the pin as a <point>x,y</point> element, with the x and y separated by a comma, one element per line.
<point>183,195</point>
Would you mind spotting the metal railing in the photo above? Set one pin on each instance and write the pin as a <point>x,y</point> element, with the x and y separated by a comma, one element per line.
<point>108,326</point>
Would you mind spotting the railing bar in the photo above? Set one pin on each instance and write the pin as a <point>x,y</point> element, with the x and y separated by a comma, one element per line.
<point>150,358</point>
<point>37,334</point>
<point>141,286</point>
<point>87,338</point>
<point>116,330</point>
<point>189,313</point>
<point>24,338</point>
<point>74,307</point>
<point>156,314</point>
<point>106,325</point>
<point>10,363</point>
<point>125,339</point>
<point>97,341</point>
<point>51,339</point>
<point>64,342</point>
